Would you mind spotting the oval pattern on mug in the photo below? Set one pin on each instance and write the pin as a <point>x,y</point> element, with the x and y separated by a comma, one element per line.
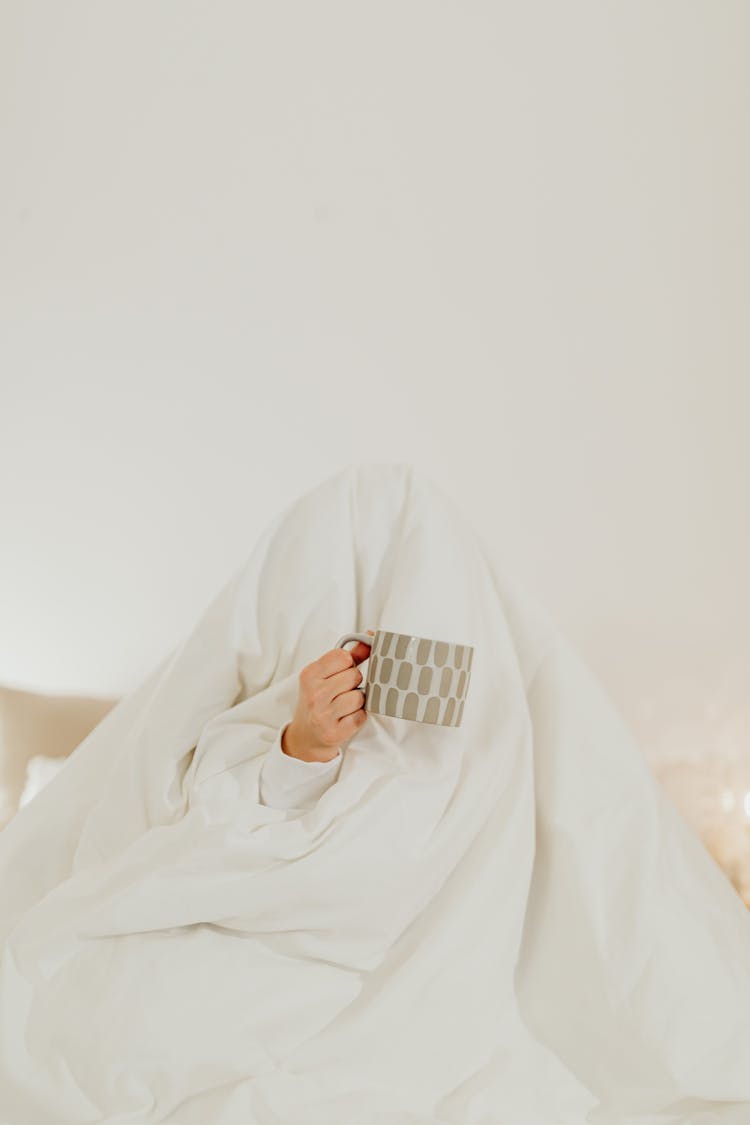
<point>423,651</point>
<point>373,666</point>
<point>401,645</point>
<point>391,702</point>
<point>458,655</point>
<point>410,706</point>
<point>446,679</point>
<point>425,680</point>
<point>461,682</point>
<point>373,699</point>
<point>385,644</point>
<point>432,710</point>
<point>385,670</point>
<point>441,653</point>
<point>404,675</point>
<point>450,707</point>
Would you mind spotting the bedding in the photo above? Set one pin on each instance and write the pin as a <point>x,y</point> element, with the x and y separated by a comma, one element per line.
<point>291,783</point>
<point>502,922</point>
<point>39,772</point>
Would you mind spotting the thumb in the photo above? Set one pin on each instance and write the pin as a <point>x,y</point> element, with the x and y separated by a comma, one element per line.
<point>362,650</point>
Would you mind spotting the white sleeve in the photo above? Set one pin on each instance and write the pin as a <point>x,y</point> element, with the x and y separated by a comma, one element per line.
<point>285,782</point>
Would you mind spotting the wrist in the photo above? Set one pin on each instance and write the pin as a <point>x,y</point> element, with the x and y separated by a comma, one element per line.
<point>294,747</point>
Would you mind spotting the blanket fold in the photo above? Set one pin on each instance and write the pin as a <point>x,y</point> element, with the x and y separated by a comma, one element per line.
<point>501,922</point>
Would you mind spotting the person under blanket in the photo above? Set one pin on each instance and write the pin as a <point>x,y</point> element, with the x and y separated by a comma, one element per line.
<point>306,754</point>
<point>411,924</point>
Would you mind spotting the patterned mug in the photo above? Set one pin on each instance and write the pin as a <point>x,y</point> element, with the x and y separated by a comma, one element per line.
<point>415,677</point>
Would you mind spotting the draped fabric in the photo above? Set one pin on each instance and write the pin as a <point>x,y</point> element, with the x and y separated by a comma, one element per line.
<point>501,922</point>
<point>294,783</point>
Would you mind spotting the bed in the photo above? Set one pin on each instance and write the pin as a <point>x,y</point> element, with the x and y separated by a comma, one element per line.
<point>39,730</point>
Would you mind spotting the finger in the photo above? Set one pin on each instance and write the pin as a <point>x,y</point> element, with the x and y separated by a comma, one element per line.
<point>339,658</point>
<point>342,681</point>
<point>336,660</point>
<point>351,723</point>
<point>347,703</point>
<point>360,651</point>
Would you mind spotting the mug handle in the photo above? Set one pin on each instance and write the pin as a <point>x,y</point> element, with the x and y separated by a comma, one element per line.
<point>367,638</point>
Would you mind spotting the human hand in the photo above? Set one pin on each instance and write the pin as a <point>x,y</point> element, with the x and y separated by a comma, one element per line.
<point>329,708</point>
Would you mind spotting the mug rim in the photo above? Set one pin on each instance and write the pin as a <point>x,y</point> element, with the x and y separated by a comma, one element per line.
<point>432,640</point>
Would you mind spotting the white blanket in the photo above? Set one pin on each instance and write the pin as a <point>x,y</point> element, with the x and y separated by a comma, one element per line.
<point>505,922</point>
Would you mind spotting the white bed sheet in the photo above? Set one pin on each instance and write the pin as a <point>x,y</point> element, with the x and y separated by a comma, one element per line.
<point>504,922</point>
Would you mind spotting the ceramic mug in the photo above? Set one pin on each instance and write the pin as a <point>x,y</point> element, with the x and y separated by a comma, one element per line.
<point>414,678</point>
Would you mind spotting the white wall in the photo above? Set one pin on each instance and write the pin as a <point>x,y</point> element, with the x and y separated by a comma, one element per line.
<point>242,245</point>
